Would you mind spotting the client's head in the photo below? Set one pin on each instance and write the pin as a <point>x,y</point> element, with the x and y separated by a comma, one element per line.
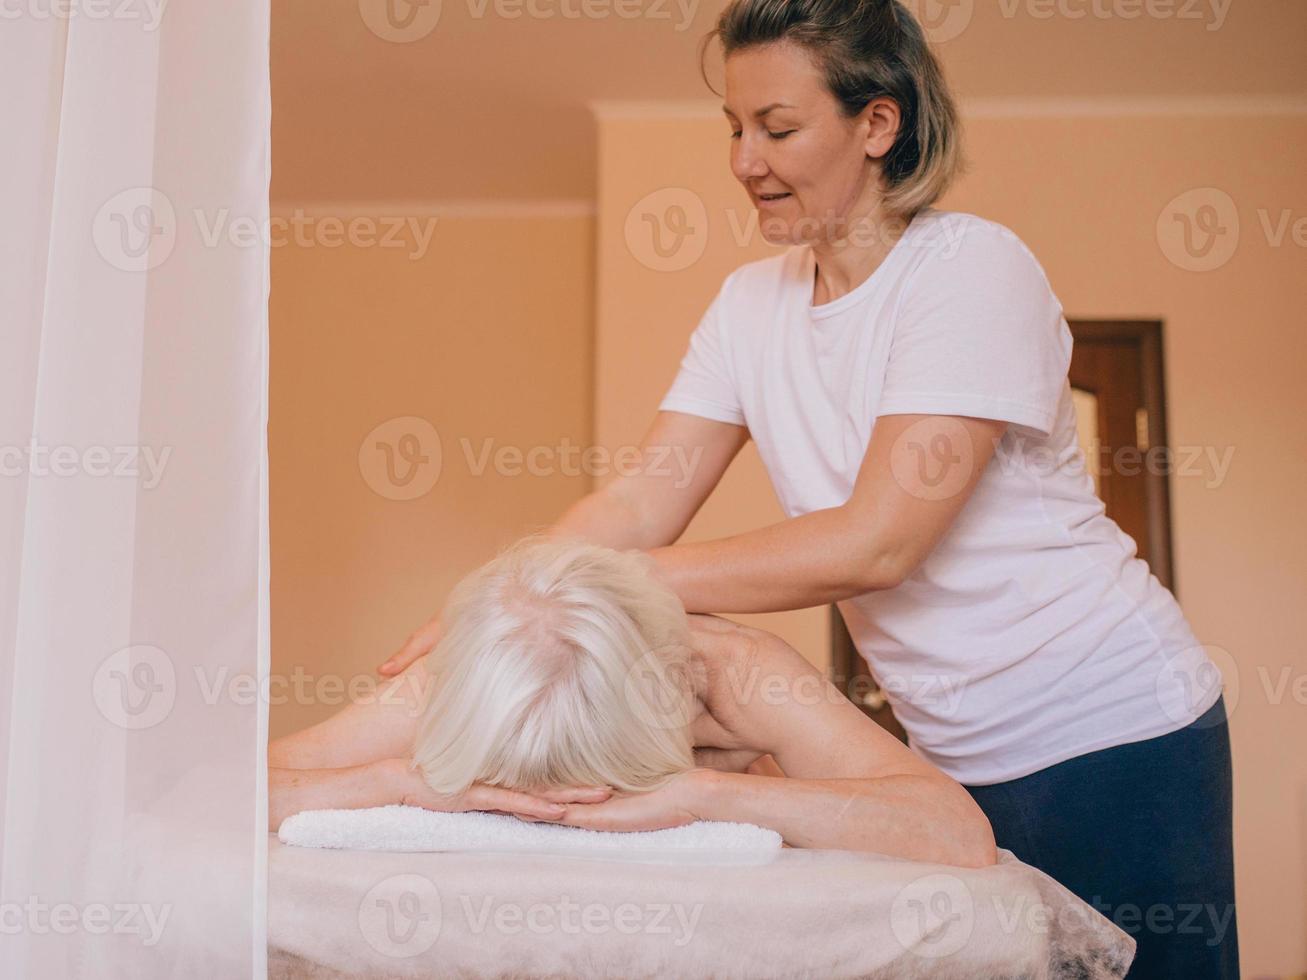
<point>561,663</point>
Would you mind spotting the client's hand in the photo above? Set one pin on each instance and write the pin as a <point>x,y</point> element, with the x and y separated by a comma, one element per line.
<point>671,805</point>
<point>412,790</point>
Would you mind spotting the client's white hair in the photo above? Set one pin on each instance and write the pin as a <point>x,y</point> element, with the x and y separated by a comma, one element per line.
<point>560,663</point>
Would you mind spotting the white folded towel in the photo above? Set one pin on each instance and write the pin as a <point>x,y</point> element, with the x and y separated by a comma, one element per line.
<point>413,828</point>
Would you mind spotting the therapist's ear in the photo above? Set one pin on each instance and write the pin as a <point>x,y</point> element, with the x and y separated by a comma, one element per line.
<point>882,119</point>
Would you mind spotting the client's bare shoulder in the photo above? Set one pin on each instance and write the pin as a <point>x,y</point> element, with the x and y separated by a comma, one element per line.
<point>762,694</point>
<point>731,660</point>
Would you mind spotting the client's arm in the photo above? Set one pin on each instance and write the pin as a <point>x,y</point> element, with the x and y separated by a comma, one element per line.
<point>395,781</point>
<point>902,815</point>
<point>347,761</point>
<point>350,788</point>
<point>380,724</point>
<point>852,785</point>
<point>359,757</point>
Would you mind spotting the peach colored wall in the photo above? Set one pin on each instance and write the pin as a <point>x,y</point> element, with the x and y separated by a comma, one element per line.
<point>1085,185</point>
<point>486,334</point>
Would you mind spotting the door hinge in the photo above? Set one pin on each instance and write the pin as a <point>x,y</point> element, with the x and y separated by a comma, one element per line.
<point>1141,429</point>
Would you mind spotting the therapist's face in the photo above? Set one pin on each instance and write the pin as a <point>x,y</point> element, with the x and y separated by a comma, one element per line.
<point>824,163</point>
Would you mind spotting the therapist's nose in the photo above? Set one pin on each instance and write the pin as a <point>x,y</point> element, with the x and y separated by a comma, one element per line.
<point>747,162</point>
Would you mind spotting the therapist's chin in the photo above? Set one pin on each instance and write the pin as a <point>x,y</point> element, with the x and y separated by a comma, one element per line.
<point>778,231</point>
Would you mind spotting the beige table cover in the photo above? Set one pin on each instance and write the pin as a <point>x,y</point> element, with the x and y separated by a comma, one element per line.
<point>798,913</point>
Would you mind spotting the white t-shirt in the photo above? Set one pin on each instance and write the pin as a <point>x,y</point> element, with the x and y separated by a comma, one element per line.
<point>1031,633</point>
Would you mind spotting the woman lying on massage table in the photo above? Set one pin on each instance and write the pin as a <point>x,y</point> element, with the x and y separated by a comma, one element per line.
<point>570,686</point>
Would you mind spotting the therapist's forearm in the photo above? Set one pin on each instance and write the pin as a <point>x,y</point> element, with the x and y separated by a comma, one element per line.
<point>810,560</point>
<point>908,816</point>
<point>605,518</point>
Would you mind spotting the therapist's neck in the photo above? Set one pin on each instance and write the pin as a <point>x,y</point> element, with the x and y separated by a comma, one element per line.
<point>845,262</point>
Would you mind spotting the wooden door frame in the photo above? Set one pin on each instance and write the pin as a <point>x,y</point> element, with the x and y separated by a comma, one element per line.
<point>1146,335</point>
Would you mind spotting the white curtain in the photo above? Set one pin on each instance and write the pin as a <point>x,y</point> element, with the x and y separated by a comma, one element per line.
<point>134,162</point>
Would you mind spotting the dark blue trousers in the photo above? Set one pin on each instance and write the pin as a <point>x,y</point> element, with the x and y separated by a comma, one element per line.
<point>1142,832</point>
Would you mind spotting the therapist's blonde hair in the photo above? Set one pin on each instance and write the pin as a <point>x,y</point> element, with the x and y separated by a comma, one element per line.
<point>562,663</point>
<point>866,49</point>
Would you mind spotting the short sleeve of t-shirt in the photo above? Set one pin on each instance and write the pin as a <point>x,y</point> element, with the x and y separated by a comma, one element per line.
<point>705,384</point>
<point>979,332</point>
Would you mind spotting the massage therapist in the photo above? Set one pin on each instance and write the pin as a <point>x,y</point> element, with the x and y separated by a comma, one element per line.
<point>903,373</point>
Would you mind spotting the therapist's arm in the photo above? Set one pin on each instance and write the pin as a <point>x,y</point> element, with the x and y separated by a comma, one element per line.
<point>655,494</point>
<point>917,474</point>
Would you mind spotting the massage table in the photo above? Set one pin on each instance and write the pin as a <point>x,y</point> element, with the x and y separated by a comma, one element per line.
<point>790,913</point>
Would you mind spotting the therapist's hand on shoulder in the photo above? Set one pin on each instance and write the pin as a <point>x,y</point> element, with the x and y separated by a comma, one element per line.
<point>419,643</point>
